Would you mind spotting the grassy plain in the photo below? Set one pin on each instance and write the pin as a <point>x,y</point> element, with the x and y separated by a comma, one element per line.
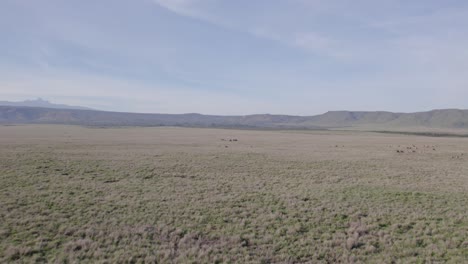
<point>183,195</point>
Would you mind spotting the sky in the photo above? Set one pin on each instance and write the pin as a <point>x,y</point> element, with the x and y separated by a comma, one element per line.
<point>298,57</point>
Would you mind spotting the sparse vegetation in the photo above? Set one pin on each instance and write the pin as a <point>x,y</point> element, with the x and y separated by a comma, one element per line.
<point>74,194</point>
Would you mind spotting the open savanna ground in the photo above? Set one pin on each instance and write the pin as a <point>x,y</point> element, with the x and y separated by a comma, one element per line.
<point>186,195</point>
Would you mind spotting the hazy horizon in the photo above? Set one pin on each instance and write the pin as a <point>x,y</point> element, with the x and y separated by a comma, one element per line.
<point>236,58</point>
<point>74,107</point>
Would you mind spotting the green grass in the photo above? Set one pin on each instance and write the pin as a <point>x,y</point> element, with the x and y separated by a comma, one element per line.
<point>69,203</point>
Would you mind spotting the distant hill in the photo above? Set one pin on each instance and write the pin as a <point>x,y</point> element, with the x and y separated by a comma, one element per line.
<point>39,102</point>
<point>435,119</point>
<point>443,120</point>
<point>37,115</point>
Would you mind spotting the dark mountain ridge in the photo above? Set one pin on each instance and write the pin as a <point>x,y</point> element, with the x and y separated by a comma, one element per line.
<point>380,120</point>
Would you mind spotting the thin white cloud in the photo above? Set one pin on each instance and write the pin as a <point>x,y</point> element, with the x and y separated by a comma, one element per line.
<point>183,7</point>
<point>192,9</point>
<point>308,41</point>
<point>320,45</point>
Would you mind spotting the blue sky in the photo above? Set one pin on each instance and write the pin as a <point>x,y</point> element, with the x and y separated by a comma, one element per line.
<point>236,57</point>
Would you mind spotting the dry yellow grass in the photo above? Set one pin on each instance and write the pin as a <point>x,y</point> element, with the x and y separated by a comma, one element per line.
<point>192,196</point>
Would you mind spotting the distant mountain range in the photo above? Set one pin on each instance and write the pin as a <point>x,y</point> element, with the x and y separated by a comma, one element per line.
<point>435,120</point>
<point>39,102</point>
